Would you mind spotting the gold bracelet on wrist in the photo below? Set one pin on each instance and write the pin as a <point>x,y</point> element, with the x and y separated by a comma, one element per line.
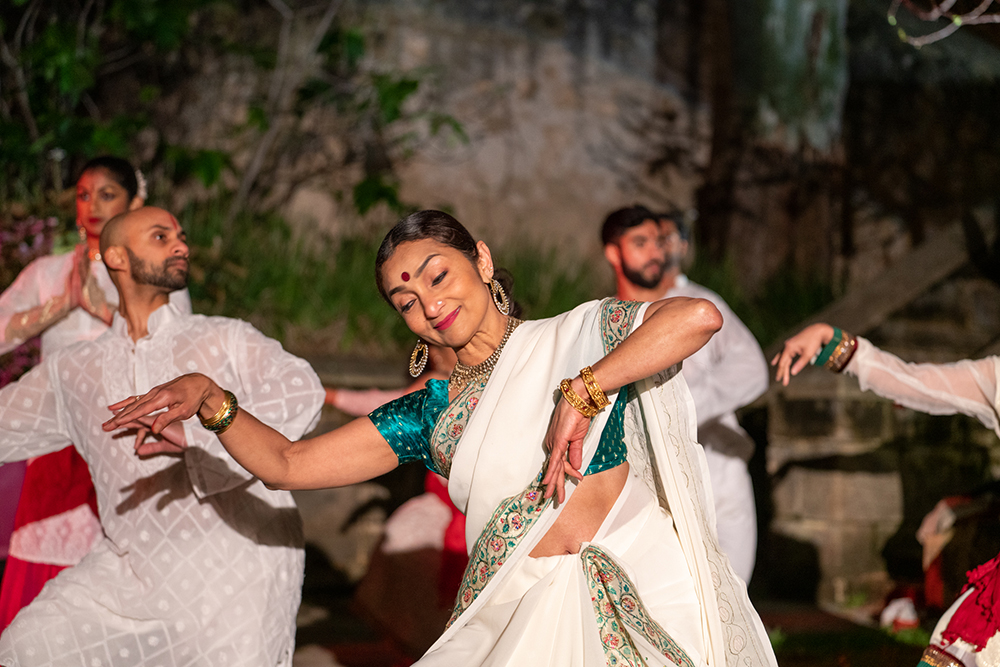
<point>842,354</point>
<point>576,401</point>
<point>597,394</point>
<point>218,415</point>
<point>222,419</point>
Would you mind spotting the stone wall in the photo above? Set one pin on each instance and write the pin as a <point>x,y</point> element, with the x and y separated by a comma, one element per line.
<point>563,112</point>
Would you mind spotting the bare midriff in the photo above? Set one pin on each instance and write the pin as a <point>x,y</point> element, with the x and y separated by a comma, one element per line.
<point>584,513</point>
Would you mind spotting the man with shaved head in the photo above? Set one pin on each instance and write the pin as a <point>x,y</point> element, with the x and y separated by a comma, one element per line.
<point>200,563</point>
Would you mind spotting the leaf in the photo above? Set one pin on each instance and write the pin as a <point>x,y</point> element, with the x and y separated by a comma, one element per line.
<point>257,117</point>
<point>392,93</point>
<point>373,190</point>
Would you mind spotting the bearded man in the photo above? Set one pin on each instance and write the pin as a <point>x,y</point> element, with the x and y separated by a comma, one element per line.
<point>647,251</point>
<point>200,563</point>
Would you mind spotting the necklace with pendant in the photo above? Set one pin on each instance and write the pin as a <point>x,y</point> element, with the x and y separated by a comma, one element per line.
<point>463,375</point>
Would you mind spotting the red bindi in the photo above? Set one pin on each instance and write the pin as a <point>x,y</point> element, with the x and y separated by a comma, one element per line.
<point>406,277</point>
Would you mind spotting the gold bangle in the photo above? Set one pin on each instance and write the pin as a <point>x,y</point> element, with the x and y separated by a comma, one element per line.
<point>597,394</point>
<point>842,354</point>
<point>574,399</point>
<point>219,426</point>
<point>217,417</point>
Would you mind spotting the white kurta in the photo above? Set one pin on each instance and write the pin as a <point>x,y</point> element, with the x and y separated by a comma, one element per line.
<point>728,373</point>
<point>65,538</point>
<point>200,563</point>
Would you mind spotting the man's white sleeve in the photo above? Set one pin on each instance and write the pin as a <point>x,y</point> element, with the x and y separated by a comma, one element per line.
<point>278,388</point>
<point>31,422</point>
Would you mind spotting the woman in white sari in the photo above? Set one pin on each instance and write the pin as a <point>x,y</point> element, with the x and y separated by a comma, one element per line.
<point>619,566</point>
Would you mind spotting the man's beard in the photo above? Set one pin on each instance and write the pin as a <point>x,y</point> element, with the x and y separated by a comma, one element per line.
<point>637,278</point>
<point>143,274</point>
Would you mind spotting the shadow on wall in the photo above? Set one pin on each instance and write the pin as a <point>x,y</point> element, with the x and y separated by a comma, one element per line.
<point>937,458</point>
<point>786,568</point>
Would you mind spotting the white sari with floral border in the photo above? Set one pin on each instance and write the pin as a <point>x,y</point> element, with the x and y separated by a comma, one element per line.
<point>601,606</point>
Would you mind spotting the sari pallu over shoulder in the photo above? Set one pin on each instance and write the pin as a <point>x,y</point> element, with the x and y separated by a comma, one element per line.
<point>496,469</point>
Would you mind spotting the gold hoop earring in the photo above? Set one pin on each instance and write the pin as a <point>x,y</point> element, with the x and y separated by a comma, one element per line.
<point>500,299</point>
<point>418,360</point>
<point>82,233</point>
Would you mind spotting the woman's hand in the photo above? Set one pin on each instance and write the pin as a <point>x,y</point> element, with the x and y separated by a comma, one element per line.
<point>179,399</point>
<point>564,440</point>
<point>800,349</point>
<point>171,439</point>
<point>83,289</point>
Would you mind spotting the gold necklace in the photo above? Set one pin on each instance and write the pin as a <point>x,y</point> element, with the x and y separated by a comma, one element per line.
<point>463,375</point>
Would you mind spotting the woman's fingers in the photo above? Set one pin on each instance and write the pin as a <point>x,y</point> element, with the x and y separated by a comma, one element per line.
<point>115,407</point>
<point>142,406</point>
<point>165,419</point>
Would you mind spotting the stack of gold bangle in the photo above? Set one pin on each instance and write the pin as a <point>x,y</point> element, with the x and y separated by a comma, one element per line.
<point>223,419</point>
<point>597,395</point>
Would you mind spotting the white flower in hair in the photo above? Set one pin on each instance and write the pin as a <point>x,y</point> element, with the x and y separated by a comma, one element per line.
<point>141,185</point>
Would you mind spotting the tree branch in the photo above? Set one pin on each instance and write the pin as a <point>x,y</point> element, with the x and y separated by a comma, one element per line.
<point>81,27</point>
<point>939,10</point>
<point>281,95</point>
<point>21,92</point>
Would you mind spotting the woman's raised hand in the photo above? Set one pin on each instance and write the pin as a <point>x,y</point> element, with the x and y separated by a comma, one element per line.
<point>799,351</point>
<point>564,440</point>
<point>83,289</point>
<point>178,399</point>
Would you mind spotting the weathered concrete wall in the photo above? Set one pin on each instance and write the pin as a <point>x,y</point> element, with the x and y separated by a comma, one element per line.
<point>563,112</point>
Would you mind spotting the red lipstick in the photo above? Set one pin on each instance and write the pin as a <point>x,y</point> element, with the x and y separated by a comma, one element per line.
<point>447,321</point>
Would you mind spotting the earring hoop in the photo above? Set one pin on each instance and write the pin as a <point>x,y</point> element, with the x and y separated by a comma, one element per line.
<point>82,233</point>
<point>418,360</point>
<point>500,299</point>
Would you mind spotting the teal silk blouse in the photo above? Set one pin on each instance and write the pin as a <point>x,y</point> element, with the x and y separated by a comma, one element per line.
<point>407,423</point>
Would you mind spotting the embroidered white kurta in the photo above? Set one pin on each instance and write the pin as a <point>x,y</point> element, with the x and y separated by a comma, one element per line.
<point>728,373</point>
<point>65,538</point>
<point>200,563</point>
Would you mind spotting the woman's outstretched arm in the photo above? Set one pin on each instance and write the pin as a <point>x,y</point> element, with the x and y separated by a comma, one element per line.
<point>352,453</point>
<point>672,330</point>
<point>968,386</point>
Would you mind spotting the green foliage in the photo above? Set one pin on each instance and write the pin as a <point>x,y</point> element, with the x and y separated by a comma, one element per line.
<point>545,284</point>
<point>784,301</point>
<point>377,189</point>
<point>61,51</point>
<point>912,636</point>
<point>392,92</point>
<point>205,165</point>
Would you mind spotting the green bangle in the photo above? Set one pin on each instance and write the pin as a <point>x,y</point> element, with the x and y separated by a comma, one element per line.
<point>824,355</point>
